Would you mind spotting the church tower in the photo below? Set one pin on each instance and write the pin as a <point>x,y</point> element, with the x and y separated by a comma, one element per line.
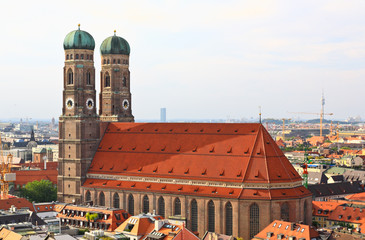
<point>78,124</point>
<point>115,94</point>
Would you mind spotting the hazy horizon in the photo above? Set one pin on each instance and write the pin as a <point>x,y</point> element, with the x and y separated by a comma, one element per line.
<point>200,60</point>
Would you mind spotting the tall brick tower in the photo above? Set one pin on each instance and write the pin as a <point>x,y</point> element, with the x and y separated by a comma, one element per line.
<point>115,94</point>
<point>78,125</point>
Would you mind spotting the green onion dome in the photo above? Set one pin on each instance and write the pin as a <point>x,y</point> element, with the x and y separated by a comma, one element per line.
<point>79,39</point>
<point>115,45</point>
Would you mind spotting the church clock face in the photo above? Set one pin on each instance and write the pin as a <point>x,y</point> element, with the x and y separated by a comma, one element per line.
<point>125,104</point>
<point>69,103</point>
<point>90,103</point>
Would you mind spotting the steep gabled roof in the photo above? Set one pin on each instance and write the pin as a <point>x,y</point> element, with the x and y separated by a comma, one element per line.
<point>241,153</point>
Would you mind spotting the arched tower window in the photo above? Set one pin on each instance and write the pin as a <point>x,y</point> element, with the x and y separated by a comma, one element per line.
<point>124,81</point>
<point>116,200</point>
<point>77,56</point>
<point>194,215</point>
<point>161,207</point>
<point>91,57</point>
<point>284,212</point>
<point>211,216</point>
<point>131,204</point>
<point>82,56</point>
<point>113,61</point>
<point>67,57</point>
<point>101,199</point>
<point>70,77</point>
<point>71,56</point>
<point>88,78</point>
<point>118,61</point>
<point>104,61</point>
<point>228,218</point>
<point>107,80</point>
<point>305,212</point>
<point>177,207</point>
<point>108,61</point>
<point>254,220</point>
<point>146,204</point>
<point>87,196</point>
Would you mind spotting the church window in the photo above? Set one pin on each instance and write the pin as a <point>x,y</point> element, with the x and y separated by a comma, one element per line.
<point>211,216</point>
<point>82,56</point>
<point>228,218</point>
<point>284,212</point>
<point>70,77</point>
<point>123,61</point>
<point>67,57</point>
<point>131,204</point>
<point>254,220</point>
<point>108,61</point>
<point>146,204</point>
<point>104,61</point>
<point>77,56</point>
<point>194,215</point>
<point>107,80</point>
<point>305,212</point>
<point>87,196</point>
<point>124,81</point>
<point>87,56</point>
<point>118,61</point>
<point>114,61</point>
<point>177,207</point>
<point>161,207</point>
<point>88,78</point>
<point>116,200</point>
<point>71,56</point>
<point>101,199</point>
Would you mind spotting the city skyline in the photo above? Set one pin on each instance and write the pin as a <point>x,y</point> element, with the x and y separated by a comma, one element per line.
<point>175,46</point>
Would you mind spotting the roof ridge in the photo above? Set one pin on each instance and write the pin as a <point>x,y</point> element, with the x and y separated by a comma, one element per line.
<point>250,157</point>
<point>264,149</point>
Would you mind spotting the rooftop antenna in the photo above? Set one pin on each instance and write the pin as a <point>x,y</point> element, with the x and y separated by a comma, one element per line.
<point>260,114</point>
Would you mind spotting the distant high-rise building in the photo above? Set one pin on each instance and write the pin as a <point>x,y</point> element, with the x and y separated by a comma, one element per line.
<point>163,115</point>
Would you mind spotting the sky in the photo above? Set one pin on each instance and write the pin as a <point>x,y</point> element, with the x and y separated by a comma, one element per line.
<point>199,59</point>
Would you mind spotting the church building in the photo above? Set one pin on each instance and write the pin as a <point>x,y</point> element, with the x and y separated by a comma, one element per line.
<point>220,177</point>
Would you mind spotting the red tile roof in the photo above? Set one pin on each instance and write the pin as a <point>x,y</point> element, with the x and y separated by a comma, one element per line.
<point>277,227</point>
<point>348,214</point>
<point>357,197</point>
<point>321,208</point>
<point>241,153</point>
<point>25,176</point>
<point>5,204</point>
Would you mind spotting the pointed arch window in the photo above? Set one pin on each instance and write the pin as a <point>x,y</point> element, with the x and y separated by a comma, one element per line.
<point>116,200</point>
<point>211,216</point>
<point>70,77</point>
<point>228,218</point>
<point>254,220</point>
<point>194,215</point>
<point>146,204</point>
<point>161,207</point>
<point>77,56</point>
<point>284,212</point>
<point>88,78</point>
<point>87,196</point>
<point>107,80</point>
<point>67,57</point>
<point>131,204</point>
<point>124,81</point>
<point>177,207</point>
<point>101,199</point>
<point>305,212</point>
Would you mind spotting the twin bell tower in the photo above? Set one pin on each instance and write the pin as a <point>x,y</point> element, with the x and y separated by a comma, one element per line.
<point>80,124</point>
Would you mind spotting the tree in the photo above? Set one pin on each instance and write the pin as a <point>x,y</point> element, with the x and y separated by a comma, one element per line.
<point>39,191</point>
